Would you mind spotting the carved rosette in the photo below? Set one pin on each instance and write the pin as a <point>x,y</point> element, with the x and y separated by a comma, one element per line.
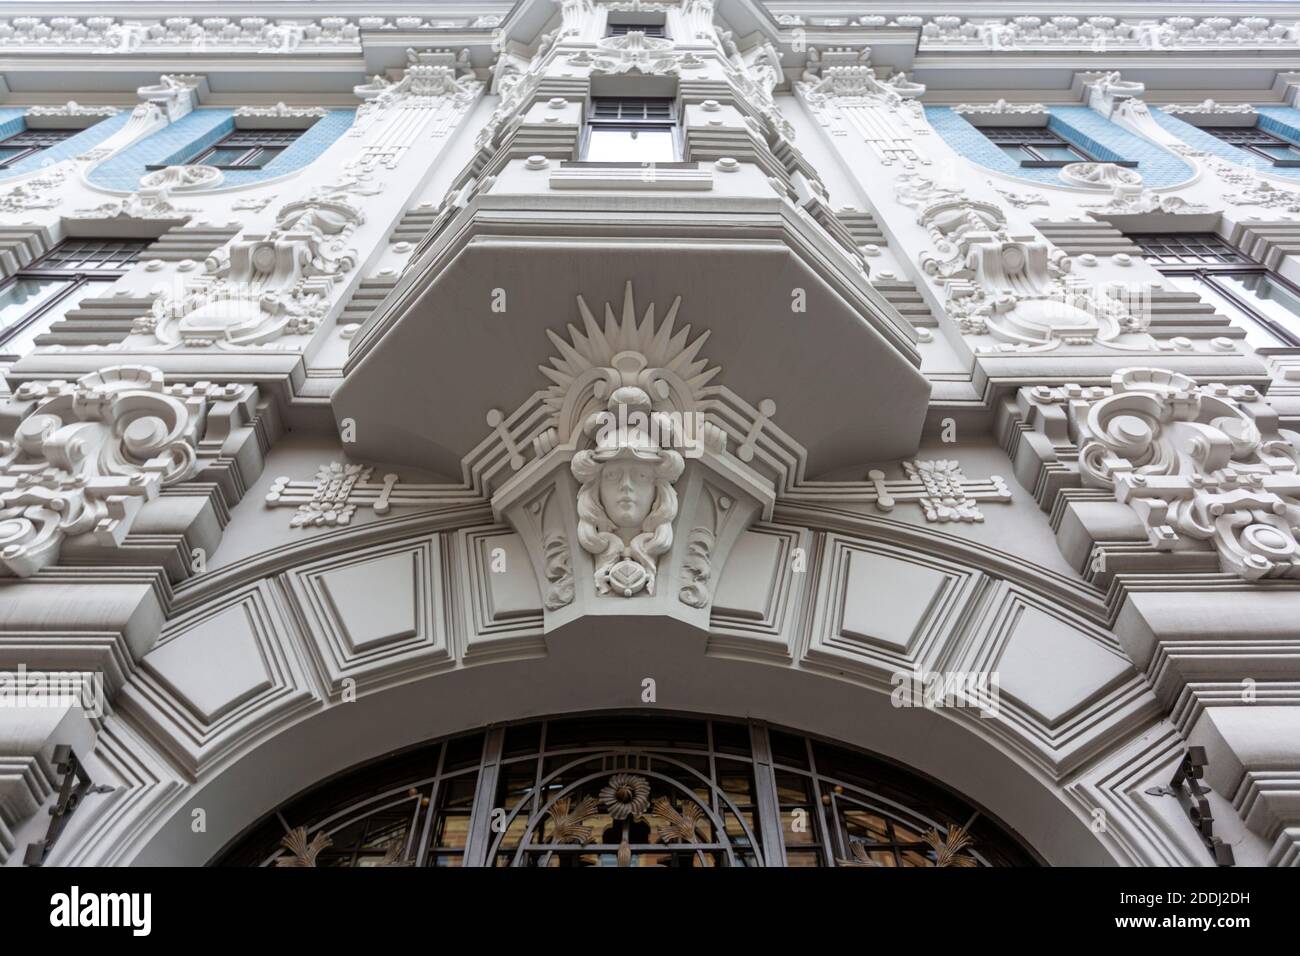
<point>1198,463</point>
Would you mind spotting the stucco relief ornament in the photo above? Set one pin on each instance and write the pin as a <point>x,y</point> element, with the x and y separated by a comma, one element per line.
<point>618,477</point>
<point>1197,463</point>
<point>634,52</point>
<point>1100,175</point>
<point>41,192</point>
<point>1013,286</point>
<point>79,459</point>
<point>1260,192</point>
<point>262,286</point>
<point>182,178</point>
<point>626,503</point>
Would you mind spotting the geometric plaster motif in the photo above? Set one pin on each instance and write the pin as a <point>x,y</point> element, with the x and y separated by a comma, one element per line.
<point>374,614</point>
<point>883,610</point>
<point>234,672</point>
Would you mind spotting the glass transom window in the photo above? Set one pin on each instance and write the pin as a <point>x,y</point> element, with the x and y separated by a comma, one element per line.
<point>628,790</point>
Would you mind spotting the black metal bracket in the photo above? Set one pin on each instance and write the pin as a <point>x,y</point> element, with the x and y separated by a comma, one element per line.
<point>75,785</point>
<point>1187,781</point>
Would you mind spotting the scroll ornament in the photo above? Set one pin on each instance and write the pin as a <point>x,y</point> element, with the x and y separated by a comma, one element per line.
<point>79,460</point>
<point>1197,463</point>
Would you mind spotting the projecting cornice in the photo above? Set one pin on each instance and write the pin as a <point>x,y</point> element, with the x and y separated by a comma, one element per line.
<point>1105,27</point>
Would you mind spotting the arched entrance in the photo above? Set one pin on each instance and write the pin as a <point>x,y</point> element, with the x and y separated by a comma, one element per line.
<point>629,789</point>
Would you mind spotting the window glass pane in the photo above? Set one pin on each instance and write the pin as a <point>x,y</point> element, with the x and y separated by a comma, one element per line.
<point>24,340</point>
<point>224,157</point>
<point>1058,153</point>
<point>631,146</point>
<point>1257,335</point>
<point>1015,153</point>
<point>262,156</point>
<point>1281,151</point>
<point>1268,297</point>
<point>18,300</point>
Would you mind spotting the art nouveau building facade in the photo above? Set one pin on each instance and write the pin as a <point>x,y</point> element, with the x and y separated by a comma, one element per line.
<point>694,432</point>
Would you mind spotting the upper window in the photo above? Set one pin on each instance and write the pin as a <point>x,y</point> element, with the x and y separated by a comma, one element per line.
<point>42,292</point>
<point>1263,303</point>
<point>623,129</point>
<point>29,142</point>
<point>1036,146</point>
<point>1278,151</point>
<point>622,29</point>
<point>247,148</point>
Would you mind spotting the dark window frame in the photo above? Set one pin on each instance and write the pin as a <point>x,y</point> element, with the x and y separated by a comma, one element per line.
<point>1255,141</point>
<point>254,142</point>
<point>59,264</point>
<point>1206,257</point>
<point>658,30</point>
<point>1029,137</point>
<point>35,140</point>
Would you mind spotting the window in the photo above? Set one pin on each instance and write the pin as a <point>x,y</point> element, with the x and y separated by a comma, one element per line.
<point>1262,302</point>
<point>1278,151</point>
<point>623,29</point>
<point>41,293</point>
<point>626,790</point>
<point>631,130</point>
<point>1036,146</point>
<point>29,142</point>
<point>247,148</point>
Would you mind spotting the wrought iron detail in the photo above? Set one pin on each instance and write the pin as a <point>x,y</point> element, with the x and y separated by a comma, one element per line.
<point>1187,784</point>
<point>76,784</point>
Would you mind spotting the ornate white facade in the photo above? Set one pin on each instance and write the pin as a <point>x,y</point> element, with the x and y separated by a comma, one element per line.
<point>422,421</point>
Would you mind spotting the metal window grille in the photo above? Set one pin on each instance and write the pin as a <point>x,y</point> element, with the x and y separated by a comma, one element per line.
<point>623,29</point>
<point>693,792</point>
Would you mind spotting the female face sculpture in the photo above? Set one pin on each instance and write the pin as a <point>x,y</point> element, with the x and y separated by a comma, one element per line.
<point>627,492</point>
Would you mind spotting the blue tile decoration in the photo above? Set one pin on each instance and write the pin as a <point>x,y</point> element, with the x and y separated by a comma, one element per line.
<point>1282,121</point>
<point>11,122</point>
<point>183,139</point>
<point>1079,125</point>
<point>14,121</point>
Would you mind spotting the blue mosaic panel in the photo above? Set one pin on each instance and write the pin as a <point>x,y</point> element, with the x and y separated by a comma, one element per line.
<point>13,121</point>
<point>178,142</point>
<point>1079,125</point>
<point>1282,121</point>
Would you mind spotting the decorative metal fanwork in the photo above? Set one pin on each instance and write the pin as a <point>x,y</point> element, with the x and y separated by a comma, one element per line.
<point>624,790</point>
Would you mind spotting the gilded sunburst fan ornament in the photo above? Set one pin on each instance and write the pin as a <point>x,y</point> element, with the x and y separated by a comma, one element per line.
<point>304,851</point>
<point>568,820</point>
<point>947,849</point>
